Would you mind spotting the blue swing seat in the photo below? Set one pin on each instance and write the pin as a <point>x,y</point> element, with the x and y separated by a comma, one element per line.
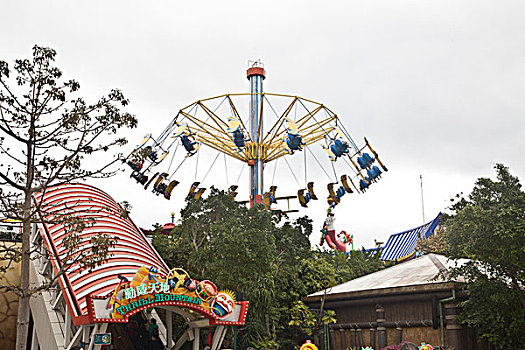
<point>365,160</point>
<point>339,148</point>
<point>238,138</point>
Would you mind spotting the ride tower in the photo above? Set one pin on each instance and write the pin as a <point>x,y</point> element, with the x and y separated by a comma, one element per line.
<point>256,74</point>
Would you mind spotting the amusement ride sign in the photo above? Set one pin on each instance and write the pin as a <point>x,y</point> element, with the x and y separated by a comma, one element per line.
<point>149,289</point>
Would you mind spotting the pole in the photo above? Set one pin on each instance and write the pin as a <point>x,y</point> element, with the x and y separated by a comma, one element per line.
<point>234,337</point>
<point>422,201</point>
<point>256,75</point>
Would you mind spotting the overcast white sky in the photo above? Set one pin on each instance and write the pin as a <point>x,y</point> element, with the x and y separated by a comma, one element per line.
<point>436,86</point>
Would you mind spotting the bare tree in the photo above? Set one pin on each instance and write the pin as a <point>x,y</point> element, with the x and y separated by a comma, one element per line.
<point>48,134</point>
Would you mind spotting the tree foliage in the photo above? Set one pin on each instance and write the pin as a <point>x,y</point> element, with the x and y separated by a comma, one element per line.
<point>436,243</point>
<point>260,254</point>
<point>48,133</point>
<point>489,227</point>
<point>308,321</point>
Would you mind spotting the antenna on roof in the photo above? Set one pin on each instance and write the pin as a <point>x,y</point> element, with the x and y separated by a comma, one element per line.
<point>422,201</point>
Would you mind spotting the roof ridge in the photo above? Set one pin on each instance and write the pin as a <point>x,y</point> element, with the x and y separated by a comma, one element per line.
<point>435,260</point>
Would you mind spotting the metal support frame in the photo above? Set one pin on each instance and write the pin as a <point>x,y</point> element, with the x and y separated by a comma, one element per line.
<point>57,300</point>
<point>44,268</point>
<point>196,339</point>
<point>67,327</point>
<point>99,328</point>
<point>169,329</point>
<point>218,337</point>
<point>85,336</point>
<point>34,340</point>
<point>180,342</point>
<point>76,338</point>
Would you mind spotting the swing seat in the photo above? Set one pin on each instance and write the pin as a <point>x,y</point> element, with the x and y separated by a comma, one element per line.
<point>339,148</point>
<point>169,189</point>
<point>135,165</point>
<point>344,181</point>
<point>340,192</point>
<point>199,193</point>
<point>364,183</point>
<point>375,155</point>
<point>292,127</point>
<point>153,155</point>
<point>162,156</point>
<point>232,191</point>
<point>181,128</point>
<point>310,187</point>
<point>331,191</point>
<point>365,160</point>
<point>331,155</point>
<point>333,201</point>
<point>269,197</point>
<point>190,145</point>
<point>141,178</point>
<point>196,146</point>
<point>294,142</point>
<point>235,124</point>
<point>304,199</point>
<point>238,138</point>
<point>159,180</point>
<point>143,142</point>
<point>374,173</point>
<point>151,180</point>
<point>160,188</point>
<point>267,201</point>
<point>191,193</point>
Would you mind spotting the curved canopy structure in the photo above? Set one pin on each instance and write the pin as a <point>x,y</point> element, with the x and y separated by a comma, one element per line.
<point>101,214</point>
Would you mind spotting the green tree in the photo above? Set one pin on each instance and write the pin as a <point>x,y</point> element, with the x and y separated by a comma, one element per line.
<point>436,243</point>
<point>260,254</point>
<point>48,133</point>
<point>308,321</point>
<point>489,228</point>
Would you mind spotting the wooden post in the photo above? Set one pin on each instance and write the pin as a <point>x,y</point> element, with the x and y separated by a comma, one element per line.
<point>399,334</point>
<point>453,328</point>
<point>342,335</point>
<point>333,344</point>
<point>381,330</point>
<point>360,339</point>
<point>353,338</point>
<point>372,338</point>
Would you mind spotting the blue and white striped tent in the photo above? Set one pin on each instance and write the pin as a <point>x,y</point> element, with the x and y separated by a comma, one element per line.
<point>401,246</point>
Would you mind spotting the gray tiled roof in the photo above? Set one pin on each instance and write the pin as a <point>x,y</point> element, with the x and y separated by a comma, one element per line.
<point>418,271</point>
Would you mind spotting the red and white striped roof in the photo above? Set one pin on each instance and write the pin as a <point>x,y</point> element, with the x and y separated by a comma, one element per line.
<point>131,251</point>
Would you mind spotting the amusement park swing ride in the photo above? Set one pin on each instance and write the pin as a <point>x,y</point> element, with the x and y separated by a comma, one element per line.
<point>218,123</point>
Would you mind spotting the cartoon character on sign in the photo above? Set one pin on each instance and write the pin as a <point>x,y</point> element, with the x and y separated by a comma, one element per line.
<point>223,304</point>
<point>308,346</point>
<point>206,290</point>
<point>425,346</point>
